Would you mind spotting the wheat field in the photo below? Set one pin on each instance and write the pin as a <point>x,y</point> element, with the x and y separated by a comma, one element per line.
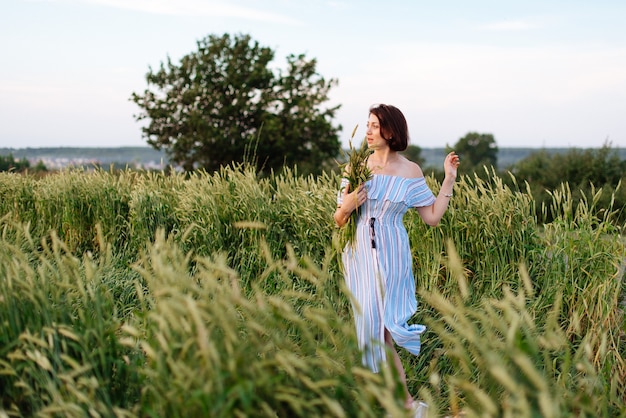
<point>146,294</point>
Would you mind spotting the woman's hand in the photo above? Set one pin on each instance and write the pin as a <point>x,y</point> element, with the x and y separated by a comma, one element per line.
<point>351,201</point>
<point>357,197</point>
<point>432,214</point>
<point>450,165</point>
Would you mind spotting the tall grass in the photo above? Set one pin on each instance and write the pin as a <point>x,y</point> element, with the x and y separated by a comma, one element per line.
<point>510,363</point>
<point>153,202</point>
<point>17,197</point>
<point>146,294</point>
<point>59,322</point>
<point>586,266</point>
<point>73,203</point>
<point>192,344</point>
<point>493,229</point>
<point>508,294</point>
<point>229,212</point>
<point>213,351</point>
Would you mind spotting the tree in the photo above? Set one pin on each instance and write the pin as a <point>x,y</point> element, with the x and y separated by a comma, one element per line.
<point>475,151</point>
<point>223,104</point>
<point>9,163</point>
<point>584,171</point>
<point>296,127</point>
<point>414,153</point>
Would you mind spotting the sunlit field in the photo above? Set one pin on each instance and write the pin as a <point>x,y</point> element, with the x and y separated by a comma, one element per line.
<point>137,294</point>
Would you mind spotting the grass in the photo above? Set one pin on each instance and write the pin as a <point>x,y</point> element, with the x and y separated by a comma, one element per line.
<point>146,294</point>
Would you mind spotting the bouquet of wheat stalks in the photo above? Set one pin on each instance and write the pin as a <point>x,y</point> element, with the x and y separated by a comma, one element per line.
<point>355,170</point>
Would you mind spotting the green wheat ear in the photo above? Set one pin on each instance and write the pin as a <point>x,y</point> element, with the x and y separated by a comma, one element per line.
<point>356,171</point>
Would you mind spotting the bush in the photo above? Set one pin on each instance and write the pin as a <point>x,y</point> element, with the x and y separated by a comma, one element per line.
<point>583,171</point>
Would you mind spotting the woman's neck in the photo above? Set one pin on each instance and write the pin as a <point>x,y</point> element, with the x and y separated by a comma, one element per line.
<point>382,157</point>
<point>384,162</point>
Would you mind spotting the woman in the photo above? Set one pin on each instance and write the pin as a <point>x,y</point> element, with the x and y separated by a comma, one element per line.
<point>378,268</point>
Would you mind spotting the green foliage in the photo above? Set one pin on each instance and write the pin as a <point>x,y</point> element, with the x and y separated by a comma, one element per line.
<point>485,217</point>
<point>230,211</point>
<point>297,130</point>
<point>223,102</point>
<point>583,171</point>
<point>153,202</point>
<point>577,167</point>
<point>507,362</point>
<point>286,354</point>
<point>589,277</point>
<point>60,351</point>
<point>8,163</point>
<point>74,203</point>
<point>236,307</point>
<point>203,110</point>
<point>522,311</point>
<point>18,197</point>
<point>476,151</point>
<point>165,338</point>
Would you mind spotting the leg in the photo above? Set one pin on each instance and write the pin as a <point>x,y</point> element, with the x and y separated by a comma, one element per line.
<point>398,366</point>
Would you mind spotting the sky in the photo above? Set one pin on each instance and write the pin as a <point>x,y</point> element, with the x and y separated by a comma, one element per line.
<point>533,73</point>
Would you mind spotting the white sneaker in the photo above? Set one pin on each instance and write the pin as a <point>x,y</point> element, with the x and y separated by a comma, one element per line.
<point>420,409</point>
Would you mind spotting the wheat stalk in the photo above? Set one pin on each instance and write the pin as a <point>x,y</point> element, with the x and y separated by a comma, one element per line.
<point>356,171</point>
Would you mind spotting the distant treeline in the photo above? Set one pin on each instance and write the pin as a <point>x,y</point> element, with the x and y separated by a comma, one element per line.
<point>103,155</point>
<point>433,157</point>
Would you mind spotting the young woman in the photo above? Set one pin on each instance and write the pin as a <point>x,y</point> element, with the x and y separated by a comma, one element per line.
<point>378,268</point>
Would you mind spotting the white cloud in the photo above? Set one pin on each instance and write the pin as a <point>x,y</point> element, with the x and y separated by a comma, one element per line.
<point>338,5</point>
<point>196,8</point>
<point>509,25</point>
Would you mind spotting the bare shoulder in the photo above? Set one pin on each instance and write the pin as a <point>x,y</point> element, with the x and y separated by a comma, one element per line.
<point>411,169</point>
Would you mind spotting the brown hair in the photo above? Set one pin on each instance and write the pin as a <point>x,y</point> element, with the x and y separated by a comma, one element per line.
<point>393,126</point>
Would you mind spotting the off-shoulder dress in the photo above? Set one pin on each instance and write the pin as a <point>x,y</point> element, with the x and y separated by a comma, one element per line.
<point>378,268</point>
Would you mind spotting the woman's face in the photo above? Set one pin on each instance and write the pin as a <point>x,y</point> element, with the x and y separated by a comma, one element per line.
<point>375,139</point>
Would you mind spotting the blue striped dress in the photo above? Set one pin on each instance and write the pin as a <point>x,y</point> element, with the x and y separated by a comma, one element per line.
<point>378,268</point>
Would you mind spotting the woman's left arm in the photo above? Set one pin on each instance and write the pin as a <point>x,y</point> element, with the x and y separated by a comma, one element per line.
<point>432,214</point>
